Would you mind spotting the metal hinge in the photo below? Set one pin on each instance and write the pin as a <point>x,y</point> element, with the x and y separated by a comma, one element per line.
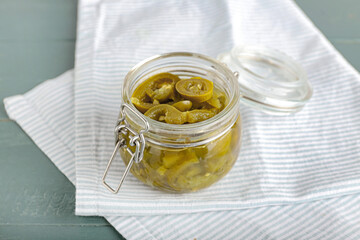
<point>135,139</point>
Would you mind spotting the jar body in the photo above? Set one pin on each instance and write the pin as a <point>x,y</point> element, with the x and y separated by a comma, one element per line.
<point>188,169</point>
<point>187,157</point>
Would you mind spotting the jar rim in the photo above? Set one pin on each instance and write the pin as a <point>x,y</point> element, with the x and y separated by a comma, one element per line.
<point>199,127</point>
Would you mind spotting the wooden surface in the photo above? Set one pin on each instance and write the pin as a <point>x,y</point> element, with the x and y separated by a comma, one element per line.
<point>37,41</point>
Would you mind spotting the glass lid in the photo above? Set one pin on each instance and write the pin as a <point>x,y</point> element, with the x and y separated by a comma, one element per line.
<point>269,80</point>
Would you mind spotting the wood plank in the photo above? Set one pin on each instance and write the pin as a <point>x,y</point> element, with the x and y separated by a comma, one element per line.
<point>24,20</point>
<point>32,189</point>
<point>37,42</point>
<point>58,232</point>
<point>350,49</point>
<point>34,194</point>
<point>26,64</point>
<point>336,19</point>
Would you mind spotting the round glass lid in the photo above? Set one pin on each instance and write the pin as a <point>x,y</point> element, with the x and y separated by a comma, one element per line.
<point>269,80</point>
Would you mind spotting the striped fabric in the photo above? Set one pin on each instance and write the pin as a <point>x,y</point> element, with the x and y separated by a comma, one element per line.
<point>46,114</point>
<point>305,159</point>
<point>312,155</point>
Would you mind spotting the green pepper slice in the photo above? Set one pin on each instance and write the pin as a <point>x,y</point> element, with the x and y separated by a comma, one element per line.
<point>195,89</point>
<point>155,90</point>
<point>183,106</point>
<point>217,100</point>
<point>166,113</point>
<point>199,115</point>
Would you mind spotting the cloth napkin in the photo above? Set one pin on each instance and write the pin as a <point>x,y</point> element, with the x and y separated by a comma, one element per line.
<point>312,155</point>
<point>46,114</point>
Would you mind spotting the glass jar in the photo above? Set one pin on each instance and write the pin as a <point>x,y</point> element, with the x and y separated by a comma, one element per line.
<point>189,157</point>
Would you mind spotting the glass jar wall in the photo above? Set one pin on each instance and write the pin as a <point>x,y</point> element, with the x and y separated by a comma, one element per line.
<point>188,157</point>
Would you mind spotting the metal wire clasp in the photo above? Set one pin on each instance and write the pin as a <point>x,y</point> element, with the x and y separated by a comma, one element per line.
<point>135,139</point>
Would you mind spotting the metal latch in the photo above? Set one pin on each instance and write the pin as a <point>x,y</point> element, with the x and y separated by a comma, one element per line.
<point>135,139</point>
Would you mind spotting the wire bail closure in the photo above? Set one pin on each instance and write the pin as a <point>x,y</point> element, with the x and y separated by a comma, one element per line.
<point>135,139</point>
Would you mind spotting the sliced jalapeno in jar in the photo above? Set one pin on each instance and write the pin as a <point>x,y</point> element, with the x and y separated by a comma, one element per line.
<point>166,113</point>
<point>195,89</point>
<point>157,89</point>
<point>199,115</point>
<point>183,106</point>
<point>217,100</point>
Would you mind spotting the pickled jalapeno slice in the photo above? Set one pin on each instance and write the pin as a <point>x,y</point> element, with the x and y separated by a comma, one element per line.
<point>195,89</point>
<point>142,104</point>
<point>183,106</point>
<point>199,115</point>
<point>166,113</point>
<point>155,90</point>
<point>161,87</point>
<point>217,100</point>
<point>195,97</point>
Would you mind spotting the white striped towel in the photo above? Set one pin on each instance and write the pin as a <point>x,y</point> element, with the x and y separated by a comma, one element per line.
<point>312,155</point>
<point>46,114</point>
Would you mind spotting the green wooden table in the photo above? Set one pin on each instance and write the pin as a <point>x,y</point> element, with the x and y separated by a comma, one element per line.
<point>37,42</point>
